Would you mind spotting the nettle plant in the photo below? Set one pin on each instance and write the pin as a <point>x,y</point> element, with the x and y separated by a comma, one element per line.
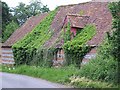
<point>76,48</point>
<point>27,48</point>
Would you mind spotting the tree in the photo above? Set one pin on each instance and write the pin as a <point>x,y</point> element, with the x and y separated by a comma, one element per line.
<point>22,12</point>
<point>0,21</point>
<point>14,17</point>
<point>6,17</point>
<point>115,38</point>
<point>9,29</point>
<point>44,9</point>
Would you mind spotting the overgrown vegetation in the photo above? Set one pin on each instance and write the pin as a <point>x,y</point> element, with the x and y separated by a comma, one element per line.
<point>83,82</point>
<point>25,49</point>
<point>77,48</point>
<point>44,57</point>
<point>67,33</point>
<point>105,67</point>
<point>30,49</point>
<point>60,75</point>
<point>114,39</point>
<point>101,72</point>
<point>64,75</point>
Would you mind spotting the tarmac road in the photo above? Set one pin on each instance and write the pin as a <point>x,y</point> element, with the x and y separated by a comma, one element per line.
<point>22,81</point>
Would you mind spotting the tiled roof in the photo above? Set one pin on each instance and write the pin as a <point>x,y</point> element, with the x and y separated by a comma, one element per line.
<point>98,13</point>
<point>24,29</point>
<point>77,20</point>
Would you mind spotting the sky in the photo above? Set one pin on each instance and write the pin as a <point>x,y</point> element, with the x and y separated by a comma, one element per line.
<point>52,4</point>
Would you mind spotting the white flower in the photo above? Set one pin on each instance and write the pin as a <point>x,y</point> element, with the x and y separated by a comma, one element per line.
<point>9,68</point>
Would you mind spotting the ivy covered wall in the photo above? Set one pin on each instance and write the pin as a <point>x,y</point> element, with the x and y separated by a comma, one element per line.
<point>31,51</point>
<point>76,48</point>
<point>25,49</point>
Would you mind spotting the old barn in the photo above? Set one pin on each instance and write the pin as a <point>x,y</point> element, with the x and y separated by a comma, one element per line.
<point>96,13</point>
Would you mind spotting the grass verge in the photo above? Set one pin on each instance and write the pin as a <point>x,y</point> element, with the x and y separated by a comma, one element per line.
<point>64,75</point>
<point>0,67</point>
<point>59,75</point>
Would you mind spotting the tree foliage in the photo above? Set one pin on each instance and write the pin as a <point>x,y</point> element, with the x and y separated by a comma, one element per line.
<point>115,38</point>
<point>22,12</point>
<point>19,15</point>
<point>0,21</point>
<point>6,15</point>
<point>9,29</point>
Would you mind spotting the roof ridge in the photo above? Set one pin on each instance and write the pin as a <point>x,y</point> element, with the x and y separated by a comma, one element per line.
<point>77,15</point>
<point>74,4</point>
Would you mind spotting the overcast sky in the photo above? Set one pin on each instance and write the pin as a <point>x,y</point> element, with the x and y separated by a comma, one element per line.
<point>52,4</point>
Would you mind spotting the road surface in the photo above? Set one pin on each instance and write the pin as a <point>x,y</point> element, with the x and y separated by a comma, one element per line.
<point>22,81</point>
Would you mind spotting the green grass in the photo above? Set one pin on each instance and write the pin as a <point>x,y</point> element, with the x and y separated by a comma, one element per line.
<point>51,74</point>
<point>0,68</point>
<point>64,75</point>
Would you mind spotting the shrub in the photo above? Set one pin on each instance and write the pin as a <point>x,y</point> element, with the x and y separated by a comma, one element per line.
<point>103,67</point>
<point>115,37</point>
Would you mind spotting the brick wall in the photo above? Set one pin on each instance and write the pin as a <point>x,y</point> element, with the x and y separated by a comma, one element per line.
<point>90,55</point>
<point>59,58</point>
<point>7,56</point>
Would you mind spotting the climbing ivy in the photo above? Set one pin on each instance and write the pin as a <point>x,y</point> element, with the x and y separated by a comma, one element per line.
<point>77,48</point>
<point>30,49</point>
<point>25,49</point>
<point>67,33</point>
<point>44,57</point>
